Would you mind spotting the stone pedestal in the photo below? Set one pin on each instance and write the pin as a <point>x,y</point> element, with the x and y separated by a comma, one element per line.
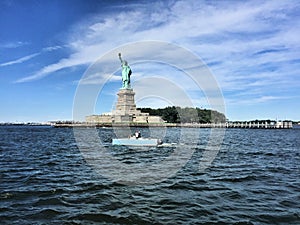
<point>126,104</point>
<point>125,112</point>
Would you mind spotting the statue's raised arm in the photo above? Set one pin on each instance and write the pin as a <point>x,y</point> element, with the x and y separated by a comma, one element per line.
<point>120,58</point>
<point>126,72</point>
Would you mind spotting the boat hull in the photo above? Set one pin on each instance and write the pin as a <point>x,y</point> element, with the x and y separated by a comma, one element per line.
<point>135,142</point>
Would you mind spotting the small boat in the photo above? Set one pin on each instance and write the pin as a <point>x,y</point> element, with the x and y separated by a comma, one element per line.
<point>136,141</point>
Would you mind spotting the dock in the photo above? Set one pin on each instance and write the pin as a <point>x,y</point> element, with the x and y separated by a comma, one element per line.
<point>257,124</point>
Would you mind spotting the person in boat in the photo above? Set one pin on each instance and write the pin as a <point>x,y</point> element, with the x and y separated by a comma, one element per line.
<point>137,134</point>
<point>159,142</point>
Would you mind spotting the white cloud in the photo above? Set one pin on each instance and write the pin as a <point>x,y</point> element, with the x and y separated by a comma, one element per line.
<point>253,101</point>
<point>16,44</point>
<point>98,79</point>
<point>179,22</point>
<point>20,60</point>
<point>29,57</point>
<point>231,34</point>
<point>52,48</point>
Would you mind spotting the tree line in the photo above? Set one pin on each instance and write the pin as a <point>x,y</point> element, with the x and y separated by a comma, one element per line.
<point>175,114</point>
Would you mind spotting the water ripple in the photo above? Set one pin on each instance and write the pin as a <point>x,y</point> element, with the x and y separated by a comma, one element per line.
<point>253,180</point>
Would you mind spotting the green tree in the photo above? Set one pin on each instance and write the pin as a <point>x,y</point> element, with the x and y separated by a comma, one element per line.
<point>173,114</point>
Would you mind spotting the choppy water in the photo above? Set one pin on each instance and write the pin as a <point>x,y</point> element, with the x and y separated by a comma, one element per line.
<point>45,179</point>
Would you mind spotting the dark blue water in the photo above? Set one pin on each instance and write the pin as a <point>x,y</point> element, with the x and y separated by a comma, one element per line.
<point>45,179</point>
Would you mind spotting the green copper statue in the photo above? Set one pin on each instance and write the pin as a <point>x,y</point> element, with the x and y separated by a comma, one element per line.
<point>126,72</point>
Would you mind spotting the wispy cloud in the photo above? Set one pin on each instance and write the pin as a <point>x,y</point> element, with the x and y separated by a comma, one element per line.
<point>98,79</point>
<point>255,100</point>
<point>51,48</point>
<point>16,44</point>
<point>20,60</point>
<point>253,42</point>
<point>28,57</point>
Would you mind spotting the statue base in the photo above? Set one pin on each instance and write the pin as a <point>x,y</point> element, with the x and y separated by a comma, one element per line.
<point>126,104</point>
<point>125,112</point>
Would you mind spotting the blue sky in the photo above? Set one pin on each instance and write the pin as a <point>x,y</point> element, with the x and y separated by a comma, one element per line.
<point>252,49</point>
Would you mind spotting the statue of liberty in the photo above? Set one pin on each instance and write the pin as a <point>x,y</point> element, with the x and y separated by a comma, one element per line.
<point>126,72</point>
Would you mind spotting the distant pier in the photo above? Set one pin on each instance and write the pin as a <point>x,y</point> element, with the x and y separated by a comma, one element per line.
<point>257,124</point>
<point>262,124</point>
